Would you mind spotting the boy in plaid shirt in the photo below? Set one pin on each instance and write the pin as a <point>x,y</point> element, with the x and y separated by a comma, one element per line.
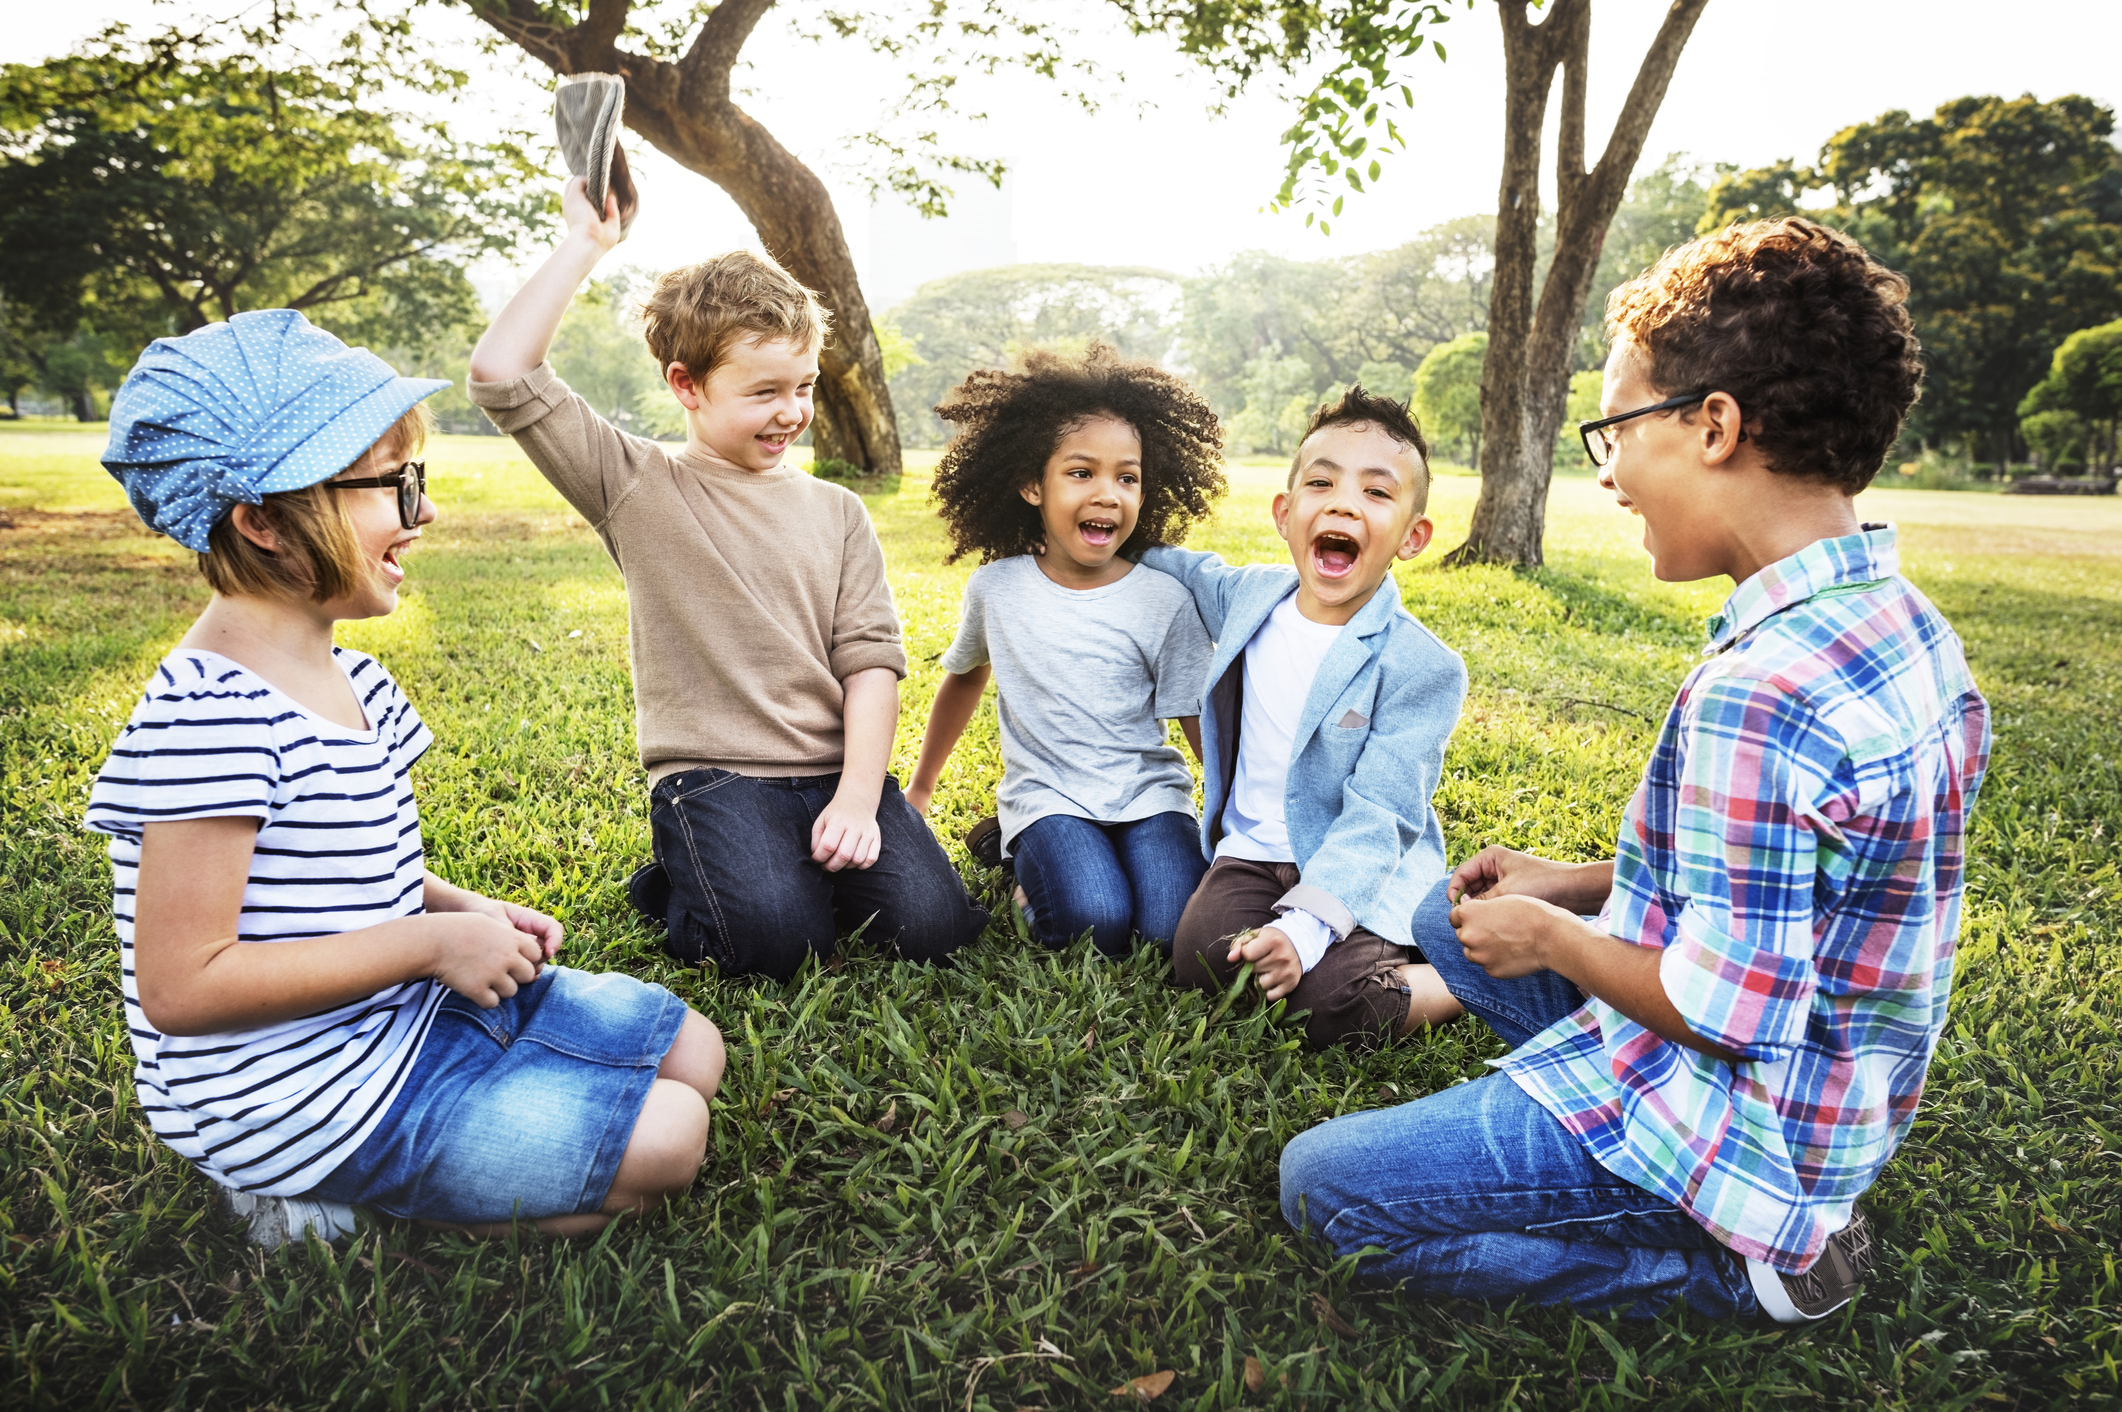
<point>1709,1074</point>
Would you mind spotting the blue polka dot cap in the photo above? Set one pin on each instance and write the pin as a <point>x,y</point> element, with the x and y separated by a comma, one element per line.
<point>232,412</point>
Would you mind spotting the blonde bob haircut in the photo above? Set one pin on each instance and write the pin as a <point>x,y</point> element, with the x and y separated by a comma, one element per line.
<point>319,557</point>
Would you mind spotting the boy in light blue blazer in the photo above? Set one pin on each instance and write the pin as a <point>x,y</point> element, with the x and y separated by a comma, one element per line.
<point>1323,730</point>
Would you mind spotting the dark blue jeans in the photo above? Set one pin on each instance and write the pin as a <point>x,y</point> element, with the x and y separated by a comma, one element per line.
<point>1111,880</point>
<point>746,895</point>
<point>1477,1192</point>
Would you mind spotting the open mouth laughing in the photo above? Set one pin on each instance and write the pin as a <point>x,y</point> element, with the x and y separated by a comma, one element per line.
<point>1334,555</point>
<point>1098,533</point>
<point>393,567</point>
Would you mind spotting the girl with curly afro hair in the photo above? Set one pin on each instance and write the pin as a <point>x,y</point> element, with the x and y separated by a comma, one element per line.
<point>1060,473</point>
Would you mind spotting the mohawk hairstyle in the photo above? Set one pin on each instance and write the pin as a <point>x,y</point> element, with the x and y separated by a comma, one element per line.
<point>1009,423</point>
<point>1358,407</point>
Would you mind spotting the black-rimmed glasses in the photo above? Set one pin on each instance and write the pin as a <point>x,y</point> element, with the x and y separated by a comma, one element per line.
<point>409,480</point>
<point>1600,447</point>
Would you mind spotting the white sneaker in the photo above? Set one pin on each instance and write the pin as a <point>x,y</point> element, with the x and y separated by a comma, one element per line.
<point>276,1220</point>
<point>1831,1282</point>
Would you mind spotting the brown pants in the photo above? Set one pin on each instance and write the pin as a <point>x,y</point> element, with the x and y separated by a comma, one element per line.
<point>1355,993</point>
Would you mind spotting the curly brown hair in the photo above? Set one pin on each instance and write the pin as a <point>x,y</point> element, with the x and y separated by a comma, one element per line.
<point>1799,324</point>
<point>1009,423</point>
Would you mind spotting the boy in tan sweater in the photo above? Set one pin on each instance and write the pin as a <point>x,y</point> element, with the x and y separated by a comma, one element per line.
<point>766,652</point>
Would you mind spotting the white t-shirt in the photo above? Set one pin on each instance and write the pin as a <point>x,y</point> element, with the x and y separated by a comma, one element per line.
<point>1281,662</point>
<point>1084,679</point>
<point>275,1109</point>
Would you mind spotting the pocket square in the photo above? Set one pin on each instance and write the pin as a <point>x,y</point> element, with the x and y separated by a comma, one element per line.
<point>1354,720</point>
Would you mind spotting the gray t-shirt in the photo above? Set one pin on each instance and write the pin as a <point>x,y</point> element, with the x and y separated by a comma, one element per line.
<point>1084,679</point>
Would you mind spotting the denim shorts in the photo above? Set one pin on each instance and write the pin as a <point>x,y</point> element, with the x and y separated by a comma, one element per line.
<point>522,1111</point>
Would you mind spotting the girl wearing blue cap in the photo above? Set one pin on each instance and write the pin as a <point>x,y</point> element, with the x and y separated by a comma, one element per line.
<point>319,1021</point>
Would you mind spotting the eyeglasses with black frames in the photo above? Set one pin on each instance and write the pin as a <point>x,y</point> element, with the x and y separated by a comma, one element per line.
<point>409,480</point>
<point>1599,445</point>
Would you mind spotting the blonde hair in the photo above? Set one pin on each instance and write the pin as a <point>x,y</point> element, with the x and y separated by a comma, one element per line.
<point>697,314</point>
<point>319,557</point>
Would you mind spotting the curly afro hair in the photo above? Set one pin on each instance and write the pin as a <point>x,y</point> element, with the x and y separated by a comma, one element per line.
<point>1009,423</point>
<point>1797,322</point>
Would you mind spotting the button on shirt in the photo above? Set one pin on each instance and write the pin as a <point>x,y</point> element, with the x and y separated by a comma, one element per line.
<point>1796,851</point>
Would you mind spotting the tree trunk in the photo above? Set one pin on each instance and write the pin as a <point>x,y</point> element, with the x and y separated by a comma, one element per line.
<point>1525,378</point>
<point>685,110</point>
<point>84,406</point>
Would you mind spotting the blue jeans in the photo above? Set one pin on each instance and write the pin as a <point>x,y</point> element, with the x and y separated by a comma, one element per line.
<point>1477,1192</point>
<point>1111,880</point>
<point>746,895</point>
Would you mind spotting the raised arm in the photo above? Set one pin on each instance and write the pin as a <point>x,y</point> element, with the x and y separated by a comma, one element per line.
<point>520,335</point>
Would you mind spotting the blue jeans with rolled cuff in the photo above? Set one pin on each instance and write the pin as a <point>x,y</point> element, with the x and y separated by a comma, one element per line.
<point>1478,1192</point>
<point>746,895</point>
<point>1114,881</point>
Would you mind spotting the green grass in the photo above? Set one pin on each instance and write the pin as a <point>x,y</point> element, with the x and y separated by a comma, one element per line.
<point>1078,1182</point>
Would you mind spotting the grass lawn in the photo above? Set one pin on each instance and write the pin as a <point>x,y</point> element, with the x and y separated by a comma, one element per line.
<point>1025,1180</point>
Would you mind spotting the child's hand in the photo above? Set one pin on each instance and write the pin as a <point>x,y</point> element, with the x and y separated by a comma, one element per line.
<point>1497,872</point>
<point>531,922</point>
<point>483,958</point>
<point>1274,958</point>
<point>580,216</point>
<point>845,836</point>
<point>1506,936</point>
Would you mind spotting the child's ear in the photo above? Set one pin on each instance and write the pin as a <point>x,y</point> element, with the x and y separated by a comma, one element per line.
<point>1417,537</point>
<point>1280,510</point>
<point>682,386</point>
<point>1033,492</point>
<point>256,526</point>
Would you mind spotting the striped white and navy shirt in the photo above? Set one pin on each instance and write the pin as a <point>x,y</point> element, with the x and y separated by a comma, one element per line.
<point>275,1109</point>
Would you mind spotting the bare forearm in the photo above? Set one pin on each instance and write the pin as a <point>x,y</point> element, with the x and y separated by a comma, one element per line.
<point>1625,977</point>
<point>956,701</point>
<point>871,719</point>
<point>441,895</point>
<point>1190,727</point>
<point>522,333</point>
<point>231,985</point>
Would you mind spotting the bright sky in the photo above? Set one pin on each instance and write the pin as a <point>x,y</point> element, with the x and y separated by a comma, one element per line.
<point>1174,188</point>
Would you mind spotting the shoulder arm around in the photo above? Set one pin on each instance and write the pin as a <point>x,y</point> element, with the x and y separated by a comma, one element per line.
<point>1206,576</point>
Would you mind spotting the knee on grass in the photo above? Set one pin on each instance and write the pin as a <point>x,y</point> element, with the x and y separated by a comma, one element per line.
<point>666,1151</point>
<point>696,1056</point>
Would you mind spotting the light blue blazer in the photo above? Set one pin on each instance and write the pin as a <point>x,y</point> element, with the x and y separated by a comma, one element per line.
<point>1368,751</point>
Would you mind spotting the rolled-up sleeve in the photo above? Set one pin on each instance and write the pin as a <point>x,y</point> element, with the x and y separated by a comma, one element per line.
<point>1747,831</point>
<point>865,625</point>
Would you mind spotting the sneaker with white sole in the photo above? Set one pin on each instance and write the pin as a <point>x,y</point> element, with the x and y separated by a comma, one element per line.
<point>274,1221</point>
<point>1831,1283</point>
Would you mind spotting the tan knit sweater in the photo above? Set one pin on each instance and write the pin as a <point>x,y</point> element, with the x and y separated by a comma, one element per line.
<point>749,598</point>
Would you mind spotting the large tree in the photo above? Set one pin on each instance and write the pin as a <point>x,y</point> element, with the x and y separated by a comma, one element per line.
<point>1531,345</point>
<point>154,186</point>
<point>1533,317</point>
<point>2006,215</point>
<point>678,59</point>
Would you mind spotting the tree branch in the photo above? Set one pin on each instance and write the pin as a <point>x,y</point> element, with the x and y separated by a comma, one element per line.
<point>1645,95</point>
<point>1571,23</point>
<point>705,69</point>
<point>601,29</point>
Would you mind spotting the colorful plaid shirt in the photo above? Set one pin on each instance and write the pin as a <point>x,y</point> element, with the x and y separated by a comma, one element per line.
<point>1795,851</point>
